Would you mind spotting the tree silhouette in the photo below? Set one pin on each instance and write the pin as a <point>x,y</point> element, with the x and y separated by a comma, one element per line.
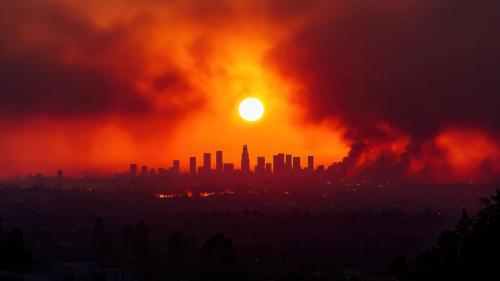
<point>217,257</point>
<point>464,225</point>
<point>104,251</point>
<point>176,253</point>
<point>469,252</point>
<point>400,266</point>
<point>142,243</point>
<point>427,261</point>
<point>128,245</point>
<point>13,253</point>
<point>138,246</point>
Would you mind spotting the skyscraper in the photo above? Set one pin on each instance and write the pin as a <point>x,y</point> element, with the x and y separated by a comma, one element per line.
<point>192,165</point>
<point>261,165</point>
<point>144,170</point>
<point>269,168</point>
<point>218,161</point>
<point>310,163</point>
<point>275,163</point>
<point>288,162</point>
<point>175,167</point>
<point>296,164</point>
<point>245,160</point>
<point>207,162</point>
<point>133,169</point>
<point>278,163</point>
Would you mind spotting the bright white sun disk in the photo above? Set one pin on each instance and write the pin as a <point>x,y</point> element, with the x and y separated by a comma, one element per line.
<point>251,109</point>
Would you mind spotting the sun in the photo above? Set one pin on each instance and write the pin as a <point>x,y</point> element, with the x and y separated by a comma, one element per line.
<point>251,109</point>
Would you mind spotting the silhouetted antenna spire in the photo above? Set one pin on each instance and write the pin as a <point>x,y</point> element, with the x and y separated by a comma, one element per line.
<point>245,160</point>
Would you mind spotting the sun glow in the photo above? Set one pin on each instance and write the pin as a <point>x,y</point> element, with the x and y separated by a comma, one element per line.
<point>251,109</point>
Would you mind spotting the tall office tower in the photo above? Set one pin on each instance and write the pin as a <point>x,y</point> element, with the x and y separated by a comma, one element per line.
<point>228,168</point>
<point>60,174</point>
<point>218,161</point>
<point>269,168</point>
<point>133,169</point>
<point>261,165</point>
<point>281,162</point>
<point>310,163</point>
<point>278,163</point>
<point>144,170</point>
<point>175,167</point>
<point>245,160</point>
<point>192,165</point>
<point>288,162</point>
<point>275,163</point>
<point>207,162</point>
<point>296,164</point>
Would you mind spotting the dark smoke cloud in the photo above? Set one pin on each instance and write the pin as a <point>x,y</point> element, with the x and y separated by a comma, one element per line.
<point>32,86</point>
<point>39,42</point>
<point>420,70</point>
<point>56,62</point>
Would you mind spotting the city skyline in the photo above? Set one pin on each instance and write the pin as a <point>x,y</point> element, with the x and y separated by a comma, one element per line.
<point>183,165</point>
<point>277,165</point>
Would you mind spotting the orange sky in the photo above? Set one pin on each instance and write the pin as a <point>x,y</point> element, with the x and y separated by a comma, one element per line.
<point>222,61</point>
<point>94,86</point>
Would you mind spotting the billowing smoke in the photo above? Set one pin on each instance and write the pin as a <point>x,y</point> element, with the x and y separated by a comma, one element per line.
<point>411,81</point>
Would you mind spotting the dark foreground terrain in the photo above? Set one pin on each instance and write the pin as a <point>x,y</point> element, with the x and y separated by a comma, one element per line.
<point>325,232</point>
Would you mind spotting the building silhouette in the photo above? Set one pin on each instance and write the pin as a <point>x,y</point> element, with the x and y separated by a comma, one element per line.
<point>218,161</point>
<point>144,170</point>
<point>288,162</point>
<point>269,168</point>
<point>278,163</point>
<point>296,164</point>
<point>207,162</point>
<point>310,163</point>
<point>192,165</point>
<point>261,165</point>
<point>245,160</point>
<point>133,169</point>
<point>175,166</point>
